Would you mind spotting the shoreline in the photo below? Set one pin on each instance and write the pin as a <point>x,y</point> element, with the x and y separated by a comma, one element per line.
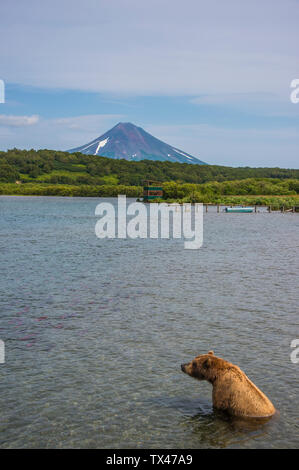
<point>284,208</point>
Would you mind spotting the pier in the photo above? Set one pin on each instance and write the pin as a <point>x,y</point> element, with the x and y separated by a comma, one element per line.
<point>222,208</point>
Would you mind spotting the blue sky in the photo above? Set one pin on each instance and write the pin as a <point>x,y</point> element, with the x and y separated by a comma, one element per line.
<point>212,78</point>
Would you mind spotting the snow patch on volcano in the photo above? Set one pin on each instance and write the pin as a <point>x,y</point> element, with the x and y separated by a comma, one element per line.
<point>102,143</point>
<point>182,153</point>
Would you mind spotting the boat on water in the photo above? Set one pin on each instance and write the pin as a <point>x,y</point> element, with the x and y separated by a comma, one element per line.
<point>239,209</point>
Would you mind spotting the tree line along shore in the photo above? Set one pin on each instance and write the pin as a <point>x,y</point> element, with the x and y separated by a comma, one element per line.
<point>53,173</point>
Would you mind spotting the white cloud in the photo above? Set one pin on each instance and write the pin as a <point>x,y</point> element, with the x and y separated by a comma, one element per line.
<point>58,133</point>
<point>88,123</point>
<point>233,98</point>
<point>263,104</point>
<point>18,121</point>
<point>151,47</point>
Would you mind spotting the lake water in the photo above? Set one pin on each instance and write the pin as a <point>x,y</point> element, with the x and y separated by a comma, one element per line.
<point>95,330</point>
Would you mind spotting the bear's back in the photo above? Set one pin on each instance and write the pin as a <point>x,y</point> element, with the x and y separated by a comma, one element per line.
<point>234,392</point>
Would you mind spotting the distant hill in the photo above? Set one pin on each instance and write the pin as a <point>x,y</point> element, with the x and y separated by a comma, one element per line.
<point>55,167</point>
<point>125,140</point>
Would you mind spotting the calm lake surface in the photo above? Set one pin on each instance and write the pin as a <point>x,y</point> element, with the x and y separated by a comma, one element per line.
<point>95,330</point>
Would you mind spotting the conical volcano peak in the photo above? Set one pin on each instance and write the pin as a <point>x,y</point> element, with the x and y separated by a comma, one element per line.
<point>125,140</point>
<point>125,124</point>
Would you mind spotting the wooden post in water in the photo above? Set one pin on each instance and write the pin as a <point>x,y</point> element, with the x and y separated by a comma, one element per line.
<point>255,208</point>
<point>269,208</point>
<point>206,207</point>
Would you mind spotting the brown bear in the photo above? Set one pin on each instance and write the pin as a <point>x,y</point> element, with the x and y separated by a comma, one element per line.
<point>233,392</point>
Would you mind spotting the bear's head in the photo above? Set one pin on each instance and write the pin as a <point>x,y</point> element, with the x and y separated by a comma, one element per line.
<point>202,367</point>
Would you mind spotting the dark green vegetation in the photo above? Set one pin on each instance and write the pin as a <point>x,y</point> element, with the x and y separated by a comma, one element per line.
<point>37,189</point>
<point>49,166</point>
<point>48,172</point>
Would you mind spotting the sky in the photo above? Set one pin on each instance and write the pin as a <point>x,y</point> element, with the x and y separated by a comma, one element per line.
<point>210,78</point>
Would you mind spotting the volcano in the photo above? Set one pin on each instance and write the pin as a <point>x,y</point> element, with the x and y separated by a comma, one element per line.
<point>125,140</point>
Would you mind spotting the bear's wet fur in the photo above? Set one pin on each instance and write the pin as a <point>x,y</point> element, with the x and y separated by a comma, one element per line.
<point>233,392</point>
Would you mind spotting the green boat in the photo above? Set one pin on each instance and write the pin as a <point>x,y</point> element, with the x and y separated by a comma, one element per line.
<point>239,209</point>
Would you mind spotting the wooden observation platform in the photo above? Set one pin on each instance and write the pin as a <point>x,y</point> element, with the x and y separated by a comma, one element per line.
<point>152,190</point>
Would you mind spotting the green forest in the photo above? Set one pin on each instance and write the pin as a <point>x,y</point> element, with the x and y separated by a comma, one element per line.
<point>49,172</point>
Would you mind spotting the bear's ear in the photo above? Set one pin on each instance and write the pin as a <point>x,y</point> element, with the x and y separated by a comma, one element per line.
<point>207,363</point>
<point>211,353</point>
